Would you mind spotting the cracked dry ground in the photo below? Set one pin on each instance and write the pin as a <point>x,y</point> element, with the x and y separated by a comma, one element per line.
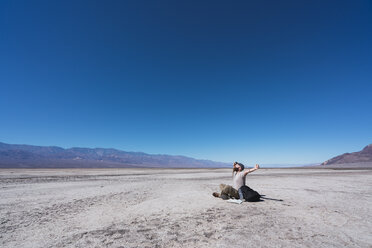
<point>174,208</point>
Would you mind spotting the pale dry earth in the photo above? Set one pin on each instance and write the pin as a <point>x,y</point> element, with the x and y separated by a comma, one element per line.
<point>175,208</point>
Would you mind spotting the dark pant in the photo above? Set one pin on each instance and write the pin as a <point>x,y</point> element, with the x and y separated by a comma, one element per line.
<point>228,191</point>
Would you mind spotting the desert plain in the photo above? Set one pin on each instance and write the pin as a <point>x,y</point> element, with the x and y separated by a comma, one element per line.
<point>175,208</point>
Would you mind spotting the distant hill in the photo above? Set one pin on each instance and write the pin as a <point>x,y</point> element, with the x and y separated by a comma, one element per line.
<point>362,157</point>
<point>29,156</point>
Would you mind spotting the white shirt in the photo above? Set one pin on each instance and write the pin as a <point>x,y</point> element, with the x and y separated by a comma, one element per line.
<point>238,180</point>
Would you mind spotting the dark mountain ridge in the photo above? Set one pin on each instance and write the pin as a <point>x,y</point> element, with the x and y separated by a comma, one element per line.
<point>362,156</point>
<point>29,156</point>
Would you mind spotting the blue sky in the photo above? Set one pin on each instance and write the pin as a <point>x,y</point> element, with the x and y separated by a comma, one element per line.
<point>254,81</point>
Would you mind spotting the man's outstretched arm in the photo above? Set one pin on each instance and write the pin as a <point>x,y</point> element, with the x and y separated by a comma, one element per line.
<point>251,170</point>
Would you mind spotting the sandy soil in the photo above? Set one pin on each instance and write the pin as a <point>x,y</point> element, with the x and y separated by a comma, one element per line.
<point>175,208</point>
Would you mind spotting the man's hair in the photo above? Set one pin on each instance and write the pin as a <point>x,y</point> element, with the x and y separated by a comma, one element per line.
<point>234,168</point>
<point>241,166</point>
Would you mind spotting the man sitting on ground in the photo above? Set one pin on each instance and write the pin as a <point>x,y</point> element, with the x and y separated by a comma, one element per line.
<point>239,176</point>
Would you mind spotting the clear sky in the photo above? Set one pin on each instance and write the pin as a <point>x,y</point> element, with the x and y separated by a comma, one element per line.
<point>250,81</point>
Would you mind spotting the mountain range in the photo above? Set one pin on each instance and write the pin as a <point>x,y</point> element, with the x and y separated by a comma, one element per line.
<point>29,156</point>
<point>362,157</point>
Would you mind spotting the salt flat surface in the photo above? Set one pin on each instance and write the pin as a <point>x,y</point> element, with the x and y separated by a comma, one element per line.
<point>175,208</point>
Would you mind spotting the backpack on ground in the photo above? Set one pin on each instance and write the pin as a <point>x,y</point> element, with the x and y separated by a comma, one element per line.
<point>249,194</point>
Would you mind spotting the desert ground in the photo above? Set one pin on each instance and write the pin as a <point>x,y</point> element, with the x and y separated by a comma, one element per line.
<point>175,208</point>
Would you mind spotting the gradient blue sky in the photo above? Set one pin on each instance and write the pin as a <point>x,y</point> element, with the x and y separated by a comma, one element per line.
<point>252,81</point>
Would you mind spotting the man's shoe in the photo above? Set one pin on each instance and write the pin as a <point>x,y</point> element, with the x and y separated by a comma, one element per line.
<point>215,194</point>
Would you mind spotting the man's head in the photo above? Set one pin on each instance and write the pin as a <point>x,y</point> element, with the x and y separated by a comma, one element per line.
<point>238,166</point>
